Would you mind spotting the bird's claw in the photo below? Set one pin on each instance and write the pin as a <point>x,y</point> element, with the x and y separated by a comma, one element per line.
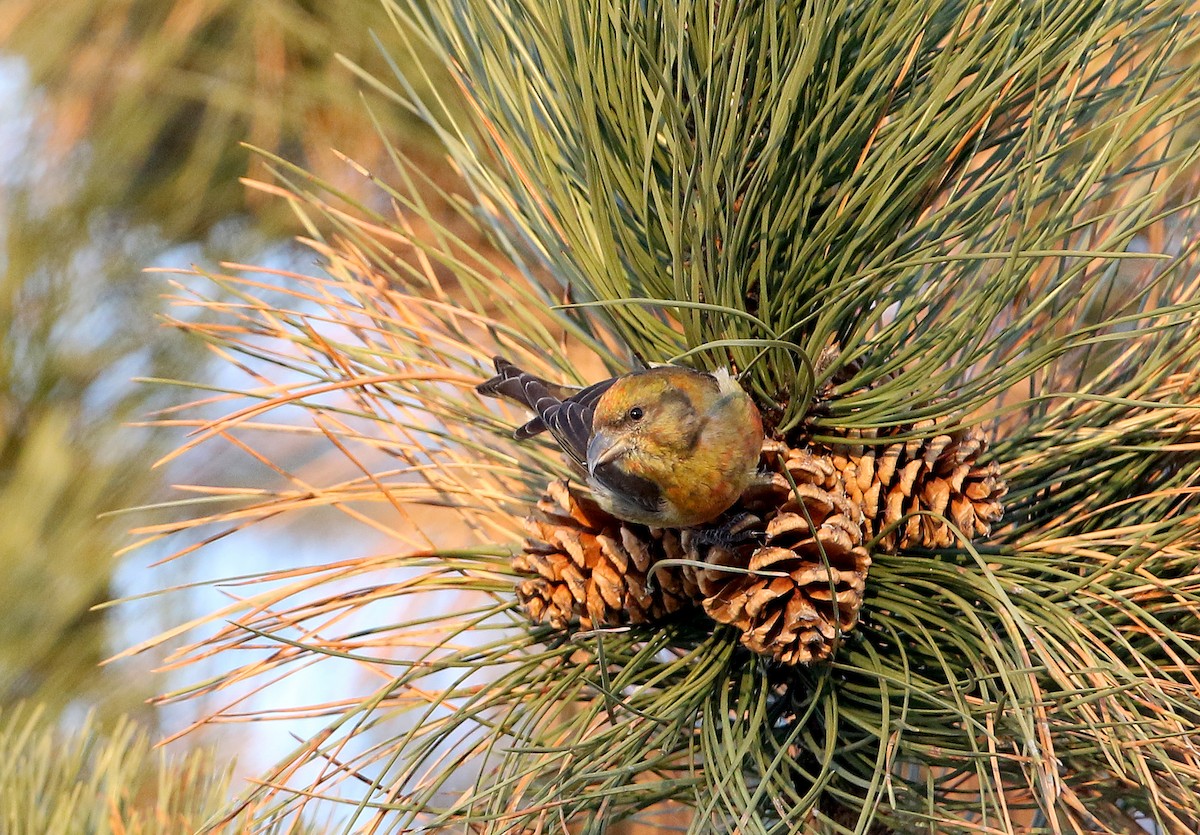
<point>736,529</point>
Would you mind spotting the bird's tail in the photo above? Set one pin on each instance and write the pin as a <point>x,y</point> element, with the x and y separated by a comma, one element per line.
<point>524,388</point>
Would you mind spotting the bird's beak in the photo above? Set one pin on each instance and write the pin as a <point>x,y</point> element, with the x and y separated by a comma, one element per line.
<point>602,449</point>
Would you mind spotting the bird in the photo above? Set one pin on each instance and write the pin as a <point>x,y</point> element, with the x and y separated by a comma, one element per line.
<point>666,447</point>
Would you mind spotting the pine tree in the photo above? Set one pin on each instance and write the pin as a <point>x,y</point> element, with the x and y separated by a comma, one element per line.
<point>949,248</point>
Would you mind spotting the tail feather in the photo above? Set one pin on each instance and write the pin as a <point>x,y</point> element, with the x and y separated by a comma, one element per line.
<point>524,388</point>
<point>565,411</point>
<point>507,382</point>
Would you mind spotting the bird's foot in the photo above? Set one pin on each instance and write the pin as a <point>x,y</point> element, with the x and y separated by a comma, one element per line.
<point>732,531</point>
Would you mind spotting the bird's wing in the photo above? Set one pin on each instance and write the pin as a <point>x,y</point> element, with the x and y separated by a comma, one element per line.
<point>634,492</point>
<point>570,421</point>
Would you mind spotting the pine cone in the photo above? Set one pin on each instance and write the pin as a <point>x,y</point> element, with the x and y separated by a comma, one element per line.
<point>813,551</point>
<point>940,475</point>
<point>798,552</point>
<point>590,569</point>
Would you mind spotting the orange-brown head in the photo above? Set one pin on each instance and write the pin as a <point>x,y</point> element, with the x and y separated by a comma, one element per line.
<point>672,447</point>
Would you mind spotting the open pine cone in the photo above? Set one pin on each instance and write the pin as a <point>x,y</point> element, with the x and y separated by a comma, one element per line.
<point>590,569</point>
<point>787,565</point>
<point>813,564</point>
<point>939,475</point>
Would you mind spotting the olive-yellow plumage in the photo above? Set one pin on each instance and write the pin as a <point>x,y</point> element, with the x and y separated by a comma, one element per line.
<point>665,447</point>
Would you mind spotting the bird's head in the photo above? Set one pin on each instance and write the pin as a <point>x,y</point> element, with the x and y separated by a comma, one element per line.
<point>650,419</point>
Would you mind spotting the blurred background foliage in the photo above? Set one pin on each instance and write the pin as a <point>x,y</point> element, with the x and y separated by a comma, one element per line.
<point>122,143</point>
<point>104,781</point>
<point>158,97</point>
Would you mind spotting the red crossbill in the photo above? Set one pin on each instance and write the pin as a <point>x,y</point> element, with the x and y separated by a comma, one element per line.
<point>667,447</point>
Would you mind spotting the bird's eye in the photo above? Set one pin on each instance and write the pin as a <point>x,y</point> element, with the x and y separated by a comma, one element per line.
<point>636,413</point>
